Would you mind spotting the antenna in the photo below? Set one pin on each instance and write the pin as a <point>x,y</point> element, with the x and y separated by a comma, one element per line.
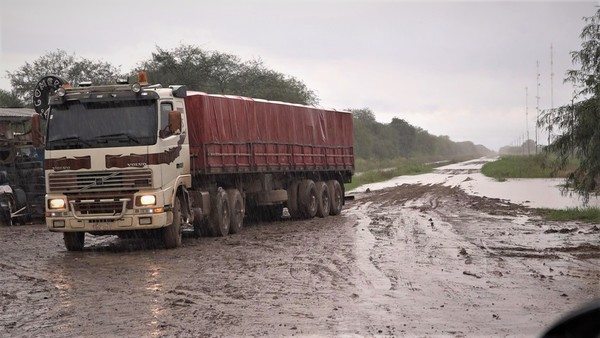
<point>537,104</point>
<point>551,84</point>
<point>527,119</point>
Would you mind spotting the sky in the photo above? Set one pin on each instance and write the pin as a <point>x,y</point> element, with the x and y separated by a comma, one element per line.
<point>462,69</point>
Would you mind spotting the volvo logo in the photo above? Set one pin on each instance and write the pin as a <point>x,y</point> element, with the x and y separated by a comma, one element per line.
<point>137,164</point>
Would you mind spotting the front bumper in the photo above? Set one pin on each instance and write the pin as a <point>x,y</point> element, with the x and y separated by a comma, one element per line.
<point>68,223</point>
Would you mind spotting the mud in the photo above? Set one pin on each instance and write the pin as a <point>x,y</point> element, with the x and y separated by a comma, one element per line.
<point>413,260</point>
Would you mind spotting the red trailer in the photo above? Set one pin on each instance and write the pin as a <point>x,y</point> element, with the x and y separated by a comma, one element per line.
<point>276,154</point>
<point>232,134</point>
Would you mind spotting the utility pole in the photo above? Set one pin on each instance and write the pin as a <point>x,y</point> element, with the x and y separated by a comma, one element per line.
<point>551,85</point>
<point>527,119</point>
<point>537,104</point>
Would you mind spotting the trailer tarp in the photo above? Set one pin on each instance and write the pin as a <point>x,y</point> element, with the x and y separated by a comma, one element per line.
<point>230,133</point>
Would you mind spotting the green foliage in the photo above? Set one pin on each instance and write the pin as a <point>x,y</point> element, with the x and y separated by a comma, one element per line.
<point>589,215</point>
<point>71,68</point>
<point>526,166</point>
<point>399,139</point>
<point>10,99</point>
<point>513,166</point>
<point>577,124</point>
<point>222,73</point>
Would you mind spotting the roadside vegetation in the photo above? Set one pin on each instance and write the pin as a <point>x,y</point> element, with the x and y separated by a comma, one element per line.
<point>526,166</point>
<point>539,166</point>
<point>408,167</point>
<point>588,215</point>
<point>515,166</point>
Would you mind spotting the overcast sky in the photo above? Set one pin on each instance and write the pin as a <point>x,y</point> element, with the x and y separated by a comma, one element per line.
<point>452,68</point>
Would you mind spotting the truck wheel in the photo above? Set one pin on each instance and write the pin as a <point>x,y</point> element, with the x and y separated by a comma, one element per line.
<point>220,218</point>
<point>323,203</point>
<point>74,241</point>
<point>20,197</point>
<point>7,210</point>
<point>292,202</point>
<point>5,218</point>
<point>307,198</point>
<point>336,197</point>
<point>236,211</point>
<point>171,234</point>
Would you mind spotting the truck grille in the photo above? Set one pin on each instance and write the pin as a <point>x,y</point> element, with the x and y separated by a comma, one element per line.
<point>92,204</point>
<point>99,181</point>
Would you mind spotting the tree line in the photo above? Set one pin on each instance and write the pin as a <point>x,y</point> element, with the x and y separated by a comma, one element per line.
<point>400,139</point>
<point>199,69</point>
<point>223,73</point>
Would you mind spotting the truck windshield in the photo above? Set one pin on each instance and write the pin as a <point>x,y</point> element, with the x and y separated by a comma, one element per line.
<point>78,125</point>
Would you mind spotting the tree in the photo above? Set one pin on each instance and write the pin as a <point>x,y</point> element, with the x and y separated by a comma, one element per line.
<point>70,67</point>
<point>405,136</point>
<point>222,73</point>
<point>578,123</point>
<point>9,99</point>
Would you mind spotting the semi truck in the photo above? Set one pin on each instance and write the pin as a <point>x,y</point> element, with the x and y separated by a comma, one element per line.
<point>139,159</point>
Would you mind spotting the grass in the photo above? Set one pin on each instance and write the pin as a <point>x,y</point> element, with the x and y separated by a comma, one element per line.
<point>372,171</point>
<point>404,167</point>
<point>589,215</point>
<point>537,166</point>
<point>513,166</point>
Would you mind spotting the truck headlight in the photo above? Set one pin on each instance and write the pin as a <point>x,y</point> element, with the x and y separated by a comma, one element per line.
<point>146,200</point>
<point>56,203</point>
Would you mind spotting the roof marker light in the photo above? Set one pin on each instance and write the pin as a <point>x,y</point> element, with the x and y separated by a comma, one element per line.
<point>136,87</point>
<point>61,91</point>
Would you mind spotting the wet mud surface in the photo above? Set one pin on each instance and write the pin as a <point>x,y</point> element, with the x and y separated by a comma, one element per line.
<point>413,260</point>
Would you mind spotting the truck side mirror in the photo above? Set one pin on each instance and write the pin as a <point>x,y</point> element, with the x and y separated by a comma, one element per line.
<point>174,122</point>
<point>37,138</point>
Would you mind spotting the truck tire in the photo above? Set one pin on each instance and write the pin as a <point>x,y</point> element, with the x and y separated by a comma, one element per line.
<point>7,210</point>
<point>20,197</point>
<point>292,202</point>
<point>236,210</point>
<point>74,241</point>
<point>336,197</point>
<point>171,234</point>
<point>220,219</point>
<point>5,219</point>
<point>323,203</point>
<point>307,198</point>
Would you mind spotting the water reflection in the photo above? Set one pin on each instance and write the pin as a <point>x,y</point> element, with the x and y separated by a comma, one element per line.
<point>109,289</point>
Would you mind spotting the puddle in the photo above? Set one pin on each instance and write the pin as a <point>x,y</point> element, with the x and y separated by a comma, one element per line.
<point>534,193</point>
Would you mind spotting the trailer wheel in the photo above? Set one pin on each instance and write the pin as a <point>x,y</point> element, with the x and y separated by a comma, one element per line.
<point>323,203</point>
<point>74,241</point>
<point>336,197</point>
<point>292,202</point>
<point>220,217</point>
<point>172,234</point>
<point>307,198</point>
<point>236,211</point>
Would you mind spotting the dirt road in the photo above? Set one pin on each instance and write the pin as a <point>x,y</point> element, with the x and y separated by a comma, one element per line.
<point>413,260</point>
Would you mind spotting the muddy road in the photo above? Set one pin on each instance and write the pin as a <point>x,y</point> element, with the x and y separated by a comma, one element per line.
<point>412,260</point>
